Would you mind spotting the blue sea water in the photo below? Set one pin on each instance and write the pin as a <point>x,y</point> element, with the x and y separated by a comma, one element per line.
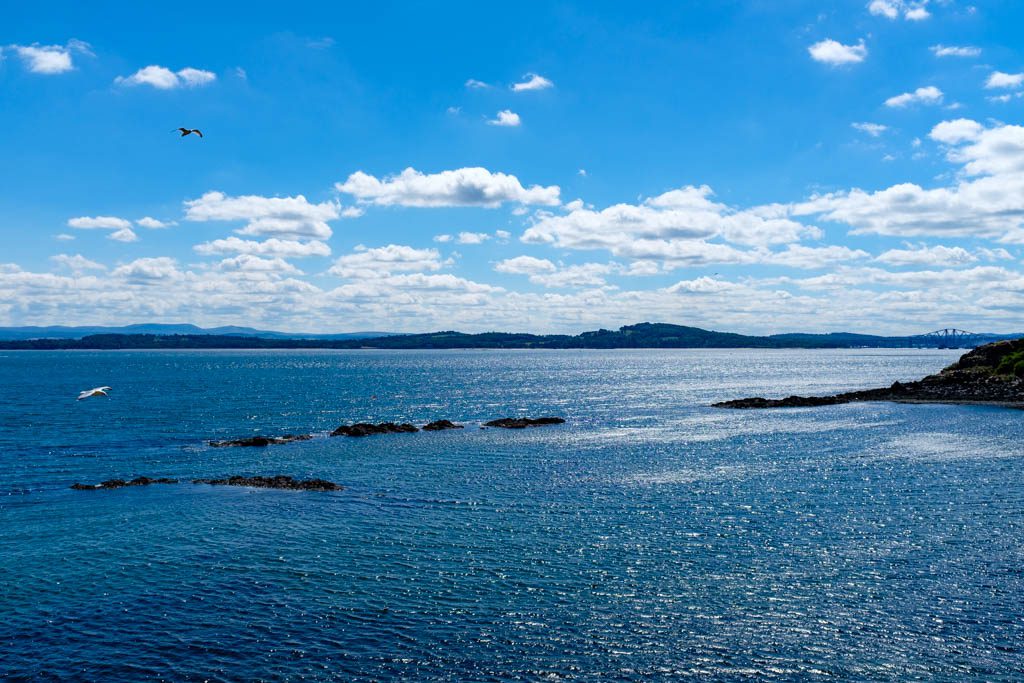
<point>650,537</point>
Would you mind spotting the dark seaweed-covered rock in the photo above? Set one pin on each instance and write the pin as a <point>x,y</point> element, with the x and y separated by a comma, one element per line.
<point>279,481</point>
<point>986,374</point>
<point>438,425</point>
<point>262,440</point>
<point>523,422</point>
<point>366,429</point>
<point>121,483</point>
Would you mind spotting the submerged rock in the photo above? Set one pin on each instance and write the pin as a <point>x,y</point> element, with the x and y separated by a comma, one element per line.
<point>989,374</point>
<point>262,440</point>
<point>523,422</point>
<point>121,483</point>
<point>279,481</point>
<point>438,425</point>
<point>366,429</point>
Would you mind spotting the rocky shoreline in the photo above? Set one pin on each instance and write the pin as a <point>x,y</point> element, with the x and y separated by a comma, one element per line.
<point>992,374</point>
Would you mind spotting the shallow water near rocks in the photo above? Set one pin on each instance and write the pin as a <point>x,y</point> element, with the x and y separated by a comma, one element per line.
<point>649,537</point>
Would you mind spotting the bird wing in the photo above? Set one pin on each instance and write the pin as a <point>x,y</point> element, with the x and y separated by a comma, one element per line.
<point>184,132</point>
<point>102,389</point>
<point>198,132</point>
<point>85,394</point>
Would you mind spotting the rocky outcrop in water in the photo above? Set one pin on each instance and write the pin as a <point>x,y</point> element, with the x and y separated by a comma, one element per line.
<point>276,482</point>
<point>259,441</point>
<point>367,429</point>
<point>523,422</point>
<point>121,483</point>
<point>990,374</point>
<point>439,425</point>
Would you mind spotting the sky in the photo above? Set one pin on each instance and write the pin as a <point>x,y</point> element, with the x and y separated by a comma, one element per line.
<point>756,167</point>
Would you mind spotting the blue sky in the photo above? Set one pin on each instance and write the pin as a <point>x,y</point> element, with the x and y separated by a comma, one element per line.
<point>749,166</point>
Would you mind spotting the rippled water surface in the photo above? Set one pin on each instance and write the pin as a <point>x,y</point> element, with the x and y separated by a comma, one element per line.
<point>651,537</point>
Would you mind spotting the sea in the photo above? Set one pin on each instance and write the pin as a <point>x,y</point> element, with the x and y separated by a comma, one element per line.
<point>650,537</point>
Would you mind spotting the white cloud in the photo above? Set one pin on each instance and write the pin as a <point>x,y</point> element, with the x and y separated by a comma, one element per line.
<point>956,131</point>
<point>121,228</point>
<point>50,59</point>
<point>99,223</point>
<point>284,217</point>
<point>833,52</point>
<point>476,85</point>
<point>162,78</point>
<point>988,200</point>
<point>937,256</point>
<point>153,223</point>
<point>502,234</point>
<point>386,261</point>
<point>249,263</point>
<point>460,187</point>
<point>525,265</point>
<point>999,79</point>
<point>123,235</point>
<point>65,237</point>
<point>872,129</point>
<point>352,212</point>
<point>505,118</point>
<point>701,285</point>
<point>544,272</point>
<point>270,247</point>
<point>582,173</point>
<point>891,9</point>
<point>442,238</point>
<point>926,95</point>
<point>160,268</point>
<point>532,82</point>
<point>472,237</point>
<point>675,227</point>
<point>955,51</point>
<point>799,256</point>
<point>77,263</point>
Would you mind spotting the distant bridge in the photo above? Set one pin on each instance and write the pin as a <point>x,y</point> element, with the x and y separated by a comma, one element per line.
<point>949,338</point>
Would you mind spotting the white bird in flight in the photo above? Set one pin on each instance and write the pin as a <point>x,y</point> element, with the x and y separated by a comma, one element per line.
<point>98,391</point>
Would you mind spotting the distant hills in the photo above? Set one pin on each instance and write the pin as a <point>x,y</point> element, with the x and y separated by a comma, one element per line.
<point>641,336</point>
<point>64,332</point>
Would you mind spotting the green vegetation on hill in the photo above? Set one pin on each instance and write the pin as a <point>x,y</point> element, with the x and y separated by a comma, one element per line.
<point>641,336</point>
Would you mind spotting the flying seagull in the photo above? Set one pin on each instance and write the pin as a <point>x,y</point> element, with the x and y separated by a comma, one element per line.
<point>186,131</point>
<point>98,391</point>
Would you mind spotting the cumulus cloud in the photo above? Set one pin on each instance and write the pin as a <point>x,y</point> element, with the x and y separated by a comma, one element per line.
<point>999,79</point>
<point>506,118</point>
<point>834,53</point>
<point>50,59</point>
<point>76,263</point>
<point>532,82</point>
<point>926,95</point>
<point>988,200</point>
<point>525,265</point>
<point>162,78</point>
<point>937,256</point>
<point>799,256</point>
<point>153,223</point>
<point>955,51</point>
<point>891,9</point>
<point>282,217</point>
<point>270,247</point>
<point>249,263</point>
<point>121,228</point>
<point>159,268</point>
<point>459,187</point>
<point>64,237</point>
<point>677,227</point>
<point>474,84</point>
<point>872,129</point>
<point>472,237</point>
<point>386,261</point>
